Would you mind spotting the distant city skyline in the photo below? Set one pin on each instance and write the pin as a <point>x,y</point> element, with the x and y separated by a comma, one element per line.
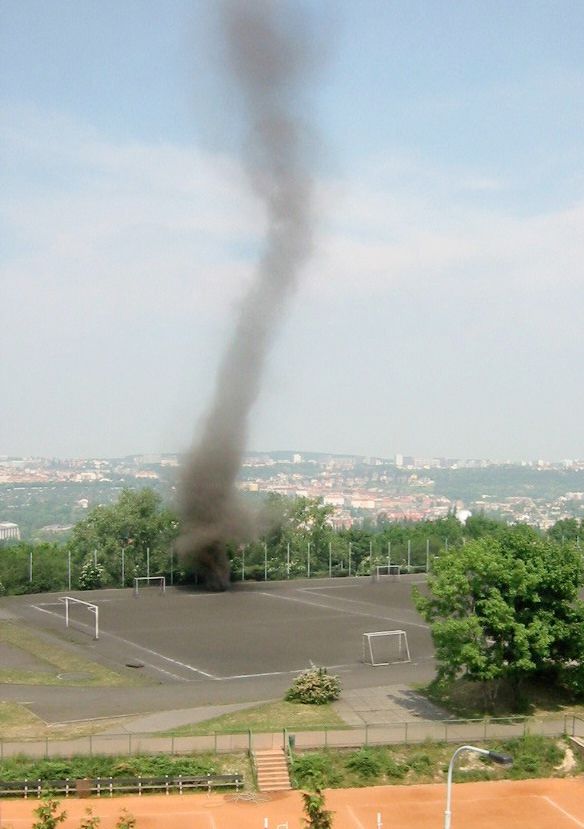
<point>441,314</point>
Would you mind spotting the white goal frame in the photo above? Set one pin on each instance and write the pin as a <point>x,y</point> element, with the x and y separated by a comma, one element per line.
<point>138,579</point>
<point>402,645</point>
<point>386,570</point>
<point>93,608</point>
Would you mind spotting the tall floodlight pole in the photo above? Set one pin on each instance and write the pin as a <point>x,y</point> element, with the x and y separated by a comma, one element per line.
<point>330,559</point>
<point>409,554</point>
<point>497,757</point>
<point>350,548</point>
<point>30,566</point>
<point>388,556</point>
<point>308,561</point>
<point>123,566</point>
<point>427,555</point>
<point>265,561</point>
<point>243,564</point>
<point>69,568</point>
<point>288,560</point>
<point>148,562</point>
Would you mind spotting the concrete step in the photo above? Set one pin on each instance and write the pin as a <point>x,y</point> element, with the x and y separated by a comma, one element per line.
<point>272,770</point>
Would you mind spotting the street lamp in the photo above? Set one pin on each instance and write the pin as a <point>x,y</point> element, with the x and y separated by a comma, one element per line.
<point>497,757</point>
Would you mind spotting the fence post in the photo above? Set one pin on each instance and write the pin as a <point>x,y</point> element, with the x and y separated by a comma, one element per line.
<point>406,732</point>
<point>249,740</point>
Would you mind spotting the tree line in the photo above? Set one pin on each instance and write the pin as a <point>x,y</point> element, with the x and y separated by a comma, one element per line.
<point>135,537</point>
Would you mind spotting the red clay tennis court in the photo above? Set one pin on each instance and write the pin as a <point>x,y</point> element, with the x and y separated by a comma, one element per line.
<point>531,804</point>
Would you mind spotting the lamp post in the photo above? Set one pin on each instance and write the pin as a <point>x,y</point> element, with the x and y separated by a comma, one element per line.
<point>497,757</point>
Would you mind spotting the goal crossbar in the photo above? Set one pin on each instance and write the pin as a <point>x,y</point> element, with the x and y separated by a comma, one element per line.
<point>386,570</point>
<point>402,646</point>
<point>148,579</point>
<point>92,608</point>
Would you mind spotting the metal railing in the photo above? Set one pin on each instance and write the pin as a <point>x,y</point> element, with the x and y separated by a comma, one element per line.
<point>410,731</point>
<point>118,785</point>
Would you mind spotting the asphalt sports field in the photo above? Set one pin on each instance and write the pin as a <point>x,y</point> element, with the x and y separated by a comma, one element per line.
<point>198,648</point>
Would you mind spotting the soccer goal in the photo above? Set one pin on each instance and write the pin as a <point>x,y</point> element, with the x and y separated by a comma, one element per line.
<point>382,570</point>
<point>140,582</point>
<point>385,647</point>
<point>92,608</point>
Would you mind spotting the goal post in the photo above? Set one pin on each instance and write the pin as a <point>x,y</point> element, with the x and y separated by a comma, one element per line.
<point>381,570</point>
<point>92,608</point>
<point>146,581</point>
<point>385,647</point>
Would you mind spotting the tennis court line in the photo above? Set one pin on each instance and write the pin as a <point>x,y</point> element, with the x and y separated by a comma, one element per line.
<point>561,809</point>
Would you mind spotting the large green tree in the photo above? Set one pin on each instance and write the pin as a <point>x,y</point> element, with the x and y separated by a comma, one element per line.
<point>138,524</point>
<point>505,607</point>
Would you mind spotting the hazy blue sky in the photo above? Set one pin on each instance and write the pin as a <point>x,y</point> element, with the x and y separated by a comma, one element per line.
<point>442,312</point>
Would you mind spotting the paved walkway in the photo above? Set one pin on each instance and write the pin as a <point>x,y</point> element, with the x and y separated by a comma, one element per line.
<point>365,706</point>
<point>386,704</point>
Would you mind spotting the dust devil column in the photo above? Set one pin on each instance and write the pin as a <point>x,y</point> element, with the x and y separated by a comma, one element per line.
<point>269,63</point>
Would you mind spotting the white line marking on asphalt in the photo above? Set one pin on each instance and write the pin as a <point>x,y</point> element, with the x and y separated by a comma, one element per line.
<point>141,648</point>
<point>345,612</point>
<point>561,809</point>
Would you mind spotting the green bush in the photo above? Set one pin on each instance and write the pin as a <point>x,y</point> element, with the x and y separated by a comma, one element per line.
<point>395,770</point>
<point>314,770</point>
<point>365,763</point>
<point>532,756</point>
<point>420,763</point>
<point>21,768</point>
<point>314,687</point>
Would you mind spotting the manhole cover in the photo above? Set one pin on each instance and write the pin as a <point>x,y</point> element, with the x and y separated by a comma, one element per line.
<point>75,676</point>
<point>134,664</point>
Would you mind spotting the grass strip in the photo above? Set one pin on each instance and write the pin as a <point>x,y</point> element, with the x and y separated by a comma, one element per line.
<point>58,660</point>
<point>268,717</point>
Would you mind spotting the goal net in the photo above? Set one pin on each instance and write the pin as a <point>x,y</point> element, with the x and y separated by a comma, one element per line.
<point>142,582</point>
<point>385,647</point>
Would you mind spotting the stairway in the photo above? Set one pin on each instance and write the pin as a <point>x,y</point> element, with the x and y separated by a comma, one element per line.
<point>272,770</point>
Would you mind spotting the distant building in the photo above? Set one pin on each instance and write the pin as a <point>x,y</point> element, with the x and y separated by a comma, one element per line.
<point>9,531</point>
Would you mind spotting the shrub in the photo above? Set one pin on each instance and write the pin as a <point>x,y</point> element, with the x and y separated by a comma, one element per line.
<point>421,763</point>
<point>314,770</point>
<point>314,687</point>
<point>366,763</point>
<point>533,755</point>
<point>91,577</point>
<point>395,770</point>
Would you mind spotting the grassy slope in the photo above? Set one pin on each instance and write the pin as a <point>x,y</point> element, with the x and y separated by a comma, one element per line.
<point>271,716</point>
<point>58,660</point>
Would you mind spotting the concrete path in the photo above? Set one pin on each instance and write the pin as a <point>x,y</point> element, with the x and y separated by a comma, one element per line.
<point>386,704</point>
<point>167,720</point>
<point>363,706</point>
